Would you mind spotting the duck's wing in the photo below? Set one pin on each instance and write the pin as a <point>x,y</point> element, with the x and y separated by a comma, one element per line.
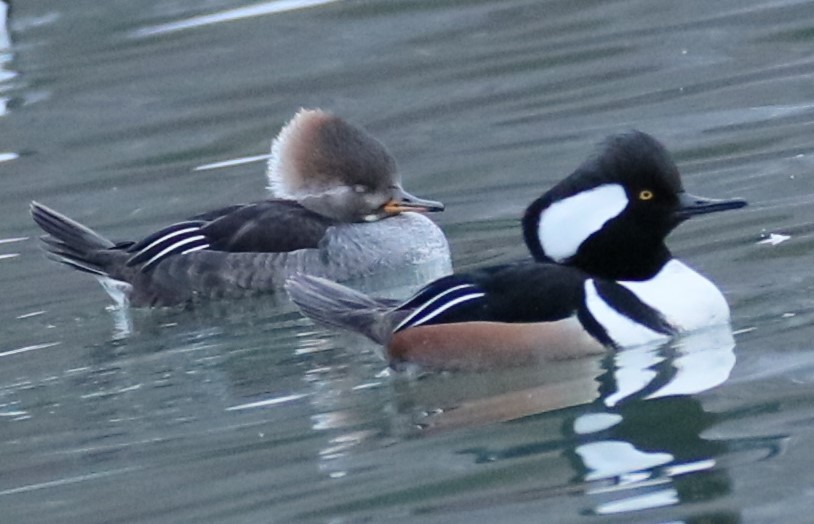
<point>514,293</point>
<point>529,292</point>
<point>269,226</point>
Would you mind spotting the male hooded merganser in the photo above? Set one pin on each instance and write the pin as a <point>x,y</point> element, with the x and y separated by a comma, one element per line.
<point>603,277</point>
<point>339,212</point>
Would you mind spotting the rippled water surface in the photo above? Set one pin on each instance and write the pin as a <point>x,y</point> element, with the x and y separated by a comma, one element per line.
<point>128,115</point>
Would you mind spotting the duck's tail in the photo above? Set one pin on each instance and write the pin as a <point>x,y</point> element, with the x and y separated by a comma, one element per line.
<point>335,305</point>
<point>71,243</point>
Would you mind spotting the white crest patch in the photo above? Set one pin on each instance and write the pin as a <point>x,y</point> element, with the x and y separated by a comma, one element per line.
<point>280,169</point>
<point>566,224</point>
<point>290,165</point>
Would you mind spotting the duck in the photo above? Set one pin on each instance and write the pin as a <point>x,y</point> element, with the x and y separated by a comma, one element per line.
<point>601,277</point>
<point>338,210</point>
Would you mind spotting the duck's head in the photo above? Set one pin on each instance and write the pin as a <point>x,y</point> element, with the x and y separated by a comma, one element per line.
<point>611,216</point>
<point>338,170</point>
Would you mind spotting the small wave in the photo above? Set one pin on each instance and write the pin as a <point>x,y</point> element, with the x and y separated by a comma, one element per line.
<point>266,8</point>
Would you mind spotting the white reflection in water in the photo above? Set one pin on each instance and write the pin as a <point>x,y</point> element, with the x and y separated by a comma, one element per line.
<point>26,349</point>
<point>635,370</point>
<point>232,162</point>
<point>608,459</point>
<point>5,41</point>
<point>335,415</point>
<point>705,360</point>
<point>595,422</point>
<point>65,481</point>
<point>6,73</point>
<point>268,402</point>
<point>702,361</point>
<point>12,240</point>
<point>266,8</point>
<point>695,363</point>
<point>690,467</point>
<point>122,321</point>
<point>657,499</point>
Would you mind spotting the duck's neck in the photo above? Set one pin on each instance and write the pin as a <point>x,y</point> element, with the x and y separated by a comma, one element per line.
<point>621,260</point>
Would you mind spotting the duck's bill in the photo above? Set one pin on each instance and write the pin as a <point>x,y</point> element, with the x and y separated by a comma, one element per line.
<point>691,205</point>
<point>403,201</point>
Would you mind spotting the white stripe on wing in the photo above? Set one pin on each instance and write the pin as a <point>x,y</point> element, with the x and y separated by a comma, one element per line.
<point>167,237</point>
<point>450,304</point>
<point>166,251</point>
<point>430,303</point>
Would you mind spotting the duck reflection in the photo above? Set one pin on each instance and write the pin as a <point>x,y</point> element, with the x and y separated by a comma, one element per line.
<point>651,455</point>
<point>340,412</point>
<point>632,429</point>
<point>602,390</point>
<point>688,365</point>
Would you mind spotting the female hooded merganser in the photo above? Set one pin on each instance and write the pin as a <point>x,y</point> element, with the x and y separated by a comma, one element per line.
<point>603,277</point>
<point>339,212</point>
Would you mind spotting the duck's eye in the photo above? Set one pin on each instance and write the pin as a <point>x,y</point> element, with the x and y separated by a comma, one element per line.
<point>645,194</point>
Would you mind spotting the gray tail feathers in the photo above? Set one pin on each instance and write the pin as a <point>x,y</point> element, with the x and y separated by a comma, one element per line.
<point>338,306</point>
<point>69,241</point>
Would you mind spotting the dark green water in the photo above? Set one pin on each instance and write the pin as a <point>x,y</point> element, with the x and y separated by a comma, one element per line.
<point>245,412</point>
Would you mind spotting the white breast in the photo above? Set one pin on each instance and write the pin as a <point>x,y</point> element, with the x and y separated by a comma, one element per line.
<point>622,330</point>
<point>686,299</point>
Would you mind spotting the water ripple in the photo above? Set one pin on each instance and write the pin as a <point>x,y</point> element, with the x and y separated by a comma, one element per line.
<point>268,8</point>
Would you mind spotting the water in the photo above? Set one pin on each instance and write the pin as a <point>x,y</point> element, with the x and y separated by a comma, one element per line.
<point>247,413</point>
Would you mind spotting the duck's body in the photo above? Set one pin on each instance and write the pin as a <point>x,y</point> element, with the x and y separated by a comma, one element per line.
<point>519,314</point>
<point>343,215</point>
<point>604,278</point>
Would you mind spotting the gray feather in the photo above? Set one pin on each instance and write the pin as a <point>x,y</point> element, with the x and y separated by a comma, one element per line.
<point>332,304</point>
<point>69,241</point>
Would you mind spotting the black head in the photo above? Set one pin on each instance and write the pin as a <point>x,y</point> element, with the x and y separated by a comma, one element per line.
<point>610,217</point>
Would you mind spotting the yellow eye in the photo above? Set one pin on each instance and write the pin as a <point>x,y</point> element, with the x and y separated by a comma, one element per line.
<point>645,194</point>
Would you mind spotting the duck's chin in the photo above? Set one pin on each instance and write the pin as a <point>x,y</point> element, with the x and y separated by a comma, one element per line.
<point>374,217</point>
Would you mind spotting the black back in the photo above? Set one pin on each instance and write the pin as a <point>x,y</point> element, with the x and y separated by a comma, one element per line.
<point>268,226</point>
